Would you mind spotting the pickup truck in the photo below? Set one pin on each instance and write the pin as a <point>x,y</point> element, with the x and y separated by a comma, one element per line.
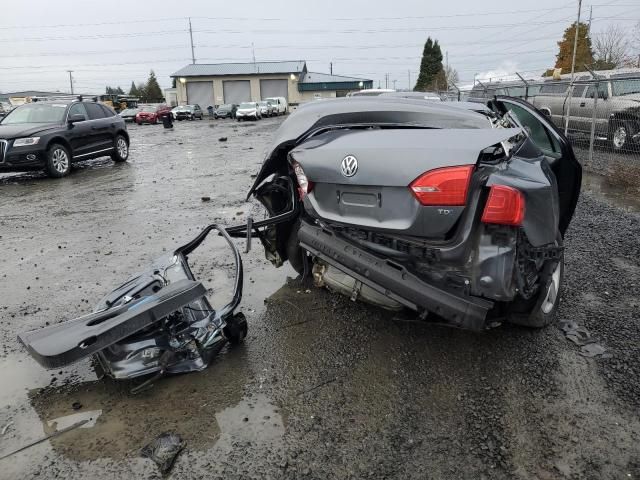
<point>617,109</point>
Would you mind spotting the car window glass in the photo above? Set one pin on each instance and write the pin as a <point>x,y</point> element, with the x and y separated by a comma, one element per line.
<point>602,88</point>
<point>77,109</point>
<point>626,87</point>
<point>107,111</point>
<point>537,131</point>
<point>578,90</point>
<point>94,111</point>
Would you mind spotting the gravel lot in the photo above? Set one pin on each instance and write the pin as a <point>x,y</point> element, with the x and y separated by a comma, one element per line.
<point>323,387</point>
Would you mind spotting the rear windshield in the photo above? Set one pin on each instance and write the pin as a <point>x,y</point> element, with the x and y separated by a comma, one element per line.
<point>36,113</point>
<point>149,109</point>
<point>247,105</point>
<point>226,105</point>
<point>263,104</point>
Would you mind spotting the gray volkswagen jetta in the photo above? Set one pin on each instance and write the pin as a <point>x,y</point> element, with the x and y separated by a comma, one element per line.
<point>454,210</point>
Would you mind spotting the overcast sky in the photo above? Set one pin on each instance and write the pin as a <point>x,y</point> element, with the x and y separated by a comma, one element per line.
<point>115,42</point>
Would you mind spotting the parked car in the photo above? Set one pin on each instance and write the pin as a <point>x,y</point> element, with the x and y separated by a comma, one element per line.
<point>617,116</point>
<point>370,92</point>
<point>228,110</point>
<point>267,109</point>
<point>429,96</point>
<point>188,112</point>
<point>129,114</point>
<point>467,227</point>
<point>52,135</point>
<point>280,103</point>
<point>147,114</point>
<point>248,110</point>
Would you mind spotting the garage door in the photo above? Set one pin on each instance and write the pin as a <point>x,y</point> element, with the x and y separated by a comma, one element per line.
<point>236,91</point>
<point>200,93</point>
<point>274,88</point>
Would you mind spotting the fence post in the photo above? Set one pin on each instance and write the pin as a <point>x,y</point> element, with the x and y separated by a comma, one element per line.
<point>526,87</point>
<point>567,102</point>
<point>592,135</point>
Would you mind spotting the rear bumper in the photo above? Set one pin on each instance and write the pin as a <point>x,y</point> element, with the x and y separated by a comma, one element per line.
<point>394,280</point>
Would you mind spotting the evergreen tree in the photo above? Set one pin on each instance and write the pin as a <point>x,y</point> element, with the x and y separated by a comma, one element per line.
<point>153,92</point>
<point>431,71</point>
<point>133,91</point>
<point>584,54</point>
<point>142,91</point>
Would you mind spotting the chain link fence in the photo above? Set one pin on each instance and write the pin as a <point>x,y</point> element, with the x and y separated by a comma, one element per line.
<point>600,115</point>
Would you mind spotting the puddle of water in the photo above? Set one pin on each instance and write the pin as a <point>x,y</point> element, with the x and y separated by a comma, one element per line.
<point>624,197</point>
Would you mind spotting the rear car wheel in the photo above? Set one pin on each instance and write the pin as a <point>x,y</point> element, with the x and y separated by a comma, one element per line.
<point>620,136</point>
<point>540,311</point>
<point>121,151</point>
<point>58,162</point>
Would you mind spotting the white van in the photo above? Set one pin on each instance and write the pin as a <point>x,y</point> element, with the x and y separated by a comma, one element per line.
<point>280,103</point>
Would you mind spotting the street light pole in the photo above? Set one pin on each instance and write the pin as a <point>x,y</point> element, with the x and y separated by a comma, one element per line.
<point>70,80</point>
<point>573,66</point>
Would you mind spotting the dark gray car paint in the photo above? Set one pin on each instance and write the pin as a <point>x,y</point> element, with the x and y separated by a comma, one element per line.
<point>378,196</point>
<point>359,111</point>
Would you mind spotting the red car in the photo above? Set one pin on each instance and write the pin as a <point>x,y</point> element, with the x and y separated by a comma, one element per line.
<point>152,113</point>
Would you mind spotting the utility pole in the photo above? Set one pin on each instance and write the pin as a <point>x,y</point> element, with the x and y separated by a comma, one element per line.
<point>253,53</point>
<point>71,80</point>
<point>386,80</point>
<point>409,79</point>
<point>573,66</point>
<point>394,84</point>
<point>193,54</point>
<point>590,17</point>
<point>331,68</point>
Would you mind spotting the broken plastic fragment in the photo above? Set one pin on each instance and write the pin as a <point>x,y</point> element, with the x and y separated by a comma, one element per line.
<point>593,350</point>
<point>164,450</point>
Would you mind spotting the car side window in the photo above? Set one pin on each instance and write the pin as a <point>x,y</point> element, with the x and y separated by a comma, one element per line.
<point>603,91</point>
<point>537,131</point>
<point>94,111</point>
<point>107,111</point>
<point>77,109</point>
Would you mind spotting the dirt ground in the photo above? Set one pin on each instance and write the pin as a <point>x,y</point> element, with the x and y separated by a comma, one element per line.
<point>322,387</point>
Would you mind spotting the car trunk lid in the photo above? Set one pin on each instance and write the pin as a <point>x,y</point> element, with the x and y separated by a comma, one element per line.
<point>362,177</point>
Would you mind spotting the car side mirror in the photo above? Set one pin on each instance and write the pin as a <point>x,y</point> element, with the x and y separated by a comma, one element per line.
<point>75,118</point>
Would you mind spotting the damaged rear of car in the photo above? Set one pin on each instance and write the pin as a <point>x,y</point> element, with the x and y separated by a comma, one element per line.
<point>457,210</point>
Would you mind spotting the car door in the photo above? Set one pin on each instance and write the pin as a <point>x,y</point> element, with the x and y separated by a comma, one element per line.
<point>602,107</point>
<point>101,136</point>
<point>555,147</point>
<point>79,134</point>
<point>198,111</point>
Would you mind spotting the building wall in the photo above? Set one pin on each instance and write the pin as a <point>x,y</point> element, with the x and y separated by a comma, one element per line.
<point>311,96</point>
<point>216,82</point>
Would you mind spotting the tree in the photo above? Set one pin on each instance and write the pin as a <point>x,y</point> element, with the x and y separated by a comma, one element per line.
<point>451,76</point>
<point>430,67</point>
<point>133,91</point>
<point>635,45</point>
<point>142,91</point>
<point>584,55</point>
<point>610,48</point>
<point>153,92</point>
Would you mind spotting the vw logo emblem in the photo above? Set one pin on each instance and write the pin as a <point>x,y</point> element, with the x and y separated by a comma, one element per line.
<point>349,166</point>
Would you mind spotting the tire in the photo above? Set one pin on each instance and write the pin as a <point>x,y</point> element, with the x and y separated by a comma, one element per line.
<point>236,329</point>
<point>619,136</point>
<point>121,152</point>
<point>58,163</point>
<point>192,118</point>
<point>540,311</point>
<point>155,122</point>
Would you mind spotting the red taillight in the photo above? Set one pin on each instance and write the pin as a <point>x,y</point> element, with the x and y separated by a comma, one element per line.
<point>304,184</point>
<point>443,186</point>
<point>505,206</point>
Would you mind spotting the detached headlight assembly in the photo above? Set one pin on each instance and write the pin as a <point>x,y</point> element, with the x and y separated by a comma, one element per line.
<point>25,142</point>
